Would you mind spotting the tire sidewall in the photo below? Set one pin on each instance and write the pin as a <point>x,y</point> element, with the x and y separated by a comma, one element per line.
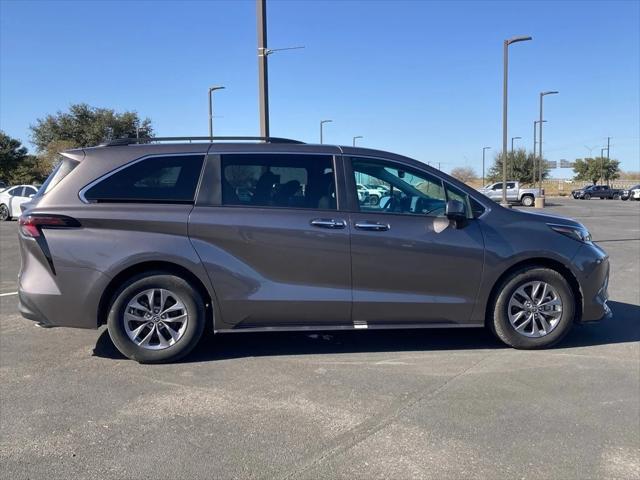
<point>189,297</point>
<point>4,208</point>
<point>503,328</point>
<point>527,201</point>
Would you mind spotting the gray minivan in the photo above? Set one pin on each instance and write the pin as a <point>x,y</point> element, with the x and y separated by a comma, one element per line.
<point>162,239</point>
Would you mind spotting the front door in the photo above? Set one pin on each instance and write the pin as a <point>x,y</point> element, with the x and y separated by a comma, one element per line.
<point>273,242</point>
<point>409,264</point>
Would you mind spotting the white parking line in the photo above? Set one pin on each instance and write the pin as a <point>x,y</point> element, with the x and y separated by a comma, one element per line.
<point>8,294</point>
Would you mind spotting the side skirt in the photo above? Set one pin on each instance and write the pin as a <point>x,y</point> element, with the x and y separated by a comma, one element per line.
<point>356,326</point>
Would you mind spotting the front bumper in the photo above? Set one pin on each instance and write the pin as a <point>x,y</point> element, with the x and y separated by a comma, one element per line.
<point>593,277</point>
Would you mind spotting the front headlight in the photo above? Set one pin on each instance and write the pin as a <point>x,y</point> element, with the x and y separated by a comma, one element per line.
<point>577,233</point>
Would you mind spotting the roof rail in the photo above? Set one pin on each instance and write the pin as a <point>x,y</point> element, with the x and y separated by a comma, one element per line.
<point>132,141</point>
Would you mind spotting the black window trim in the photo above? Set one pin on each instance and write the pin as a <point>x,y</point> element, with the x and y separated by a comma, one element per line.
<point>83,191</point>
<point>352,196</point>
<point>334,162</point>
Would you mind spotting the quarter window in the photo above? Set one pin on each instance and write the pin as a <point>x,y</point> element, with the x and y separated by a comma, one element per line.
<point>391,188</point>
<point>167,179</point>
<point>279,180</point>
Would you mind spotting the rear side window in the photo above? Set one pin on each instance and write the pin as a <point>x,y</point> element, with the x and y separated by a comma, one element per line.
<point>64,167</point>
<point>279,180</point>
<point>166,179</point>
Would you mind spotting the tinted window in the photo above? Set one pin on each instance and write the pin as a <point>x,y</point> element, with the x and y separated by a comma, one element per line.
<point>396,189</point>
<point>16,192</point>
<point>156,179</point>
<point>279,180</point>
<point>510,185</point>
<point>61,170</point>
<point>29,191</point>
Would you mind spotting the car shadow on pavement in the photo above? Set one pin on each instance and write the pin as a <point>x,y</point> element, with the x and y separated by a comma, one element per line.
<point>622,328</point>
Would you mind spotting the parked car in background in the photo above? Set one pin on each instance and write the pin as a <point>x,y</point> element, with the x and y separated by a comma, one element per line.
<point>631,193</point>
<point>11,198</point>
<point>515,193</point>
<point>597,191</point>
<point>2,185</point>
<point>154,241</point>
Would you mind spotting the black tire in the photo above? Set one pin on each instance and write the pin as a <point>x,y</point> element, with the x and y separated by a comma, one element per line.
<point>189,296</point>
<point>374,200</point>
<point>527,201</point>
<point>586,197</point>
<point>5,214</point>
<point>616,196</point>
<point>500,324</point>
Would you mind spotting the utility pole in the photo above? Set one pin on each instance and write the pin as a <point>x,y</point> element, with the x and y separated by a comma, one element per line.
<point>355,138</point>
<point>602,161</point>
<point>535,133</point>
<point>263,79</point>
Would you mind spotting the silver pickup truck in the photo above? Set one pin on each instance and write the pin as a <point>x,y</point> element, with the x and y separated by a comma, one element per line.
<point>515,194</point>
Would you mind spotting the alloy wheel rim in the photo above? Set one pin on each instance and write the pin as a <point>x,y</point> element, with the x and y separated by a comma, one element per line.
<point>535,309</point>
<point>4,212</point>
<point>155,319</point>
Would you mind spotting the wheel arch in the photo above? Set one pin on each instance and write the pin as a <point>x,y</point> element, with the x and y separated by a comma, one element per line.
<point>158,266</point>
<point>533,263</point>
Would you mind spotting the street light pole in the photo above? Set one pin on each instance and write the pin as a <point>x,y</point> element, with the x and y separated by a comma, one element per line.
<point>542,95</point>
<point>211,90</point>
<point>512,139</point>
<point>512,156</point>
<point>483,150</point>
<point>535,146</point>
<point>355,138</point>
<point>322,122</point>
<point>506,44</point>
<point>602,163</point>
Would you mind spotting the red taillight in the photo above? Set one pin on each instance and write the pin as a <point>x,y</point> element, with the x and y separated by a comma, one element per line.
<point>32,225</point>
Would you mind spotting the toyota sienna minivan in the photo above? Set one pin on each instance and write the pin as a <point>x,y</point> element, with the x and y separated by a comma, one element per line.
<point>163,239</point>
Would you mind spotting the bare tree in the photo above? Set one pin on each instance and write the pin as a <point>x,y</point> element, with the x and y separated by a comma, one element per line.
<point>464,174</point>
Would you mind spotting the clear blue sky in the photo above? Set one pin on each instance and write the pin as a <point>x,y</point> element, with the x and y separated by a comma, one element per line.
<point>419,78</point>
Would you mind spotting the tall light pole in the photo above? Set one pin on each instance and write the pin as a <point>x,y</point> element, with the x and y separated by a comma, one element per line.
<point>542,95</point>
<point>355,138</point>
<point>263,77</point>
<point>211,90</point>
<point>512,139</point>
<point>484,149</point>
<point>535,146</point>
<point>506,44</point>
<point>602,162</point>
<point>322,122</point>
<point>512,157</point>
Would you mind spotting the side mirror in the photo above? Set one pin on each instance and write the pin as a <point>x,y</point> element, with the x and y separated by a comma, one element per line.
<point>32,195</point>
<point>455,212</point>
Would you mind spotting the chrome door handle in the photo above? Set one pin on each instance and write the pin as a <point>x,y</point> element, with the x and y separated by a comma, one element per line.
<point>328,223</point>
<point>374,226</point>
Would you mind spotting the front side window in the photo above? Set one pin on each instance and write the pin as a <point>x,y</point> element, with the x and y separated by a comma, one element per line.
<point>278,180</point>
<point>392,188</point>
<point>16,192</point>
<point>166,179</point>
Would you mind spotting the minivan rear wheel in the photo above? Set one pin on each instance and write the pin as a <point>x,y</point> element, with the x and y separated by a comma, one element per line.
<point>156,317</point>
<point>534,308</point>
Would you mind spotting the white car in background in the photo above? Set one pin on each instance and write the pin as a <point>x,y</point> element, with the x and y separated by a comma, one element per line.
<point>12,197</point>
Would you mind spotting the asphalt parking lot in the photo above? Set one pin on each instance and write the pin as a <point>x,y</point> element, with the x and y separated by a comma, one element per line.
<point>419,404</point>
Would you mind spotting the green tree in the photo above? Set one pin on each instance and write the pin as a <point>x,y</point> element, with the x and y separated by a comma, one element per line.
<point>464,174</point>
<point>12,154</point>
<point>520,167</point>
<point>84,126</point>
<point>594,169</point>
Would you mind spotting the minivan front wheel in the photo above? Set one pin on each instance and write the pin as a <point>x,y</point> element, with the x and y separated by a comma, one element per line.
<point>534,308</point>
<point>156,317</point>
